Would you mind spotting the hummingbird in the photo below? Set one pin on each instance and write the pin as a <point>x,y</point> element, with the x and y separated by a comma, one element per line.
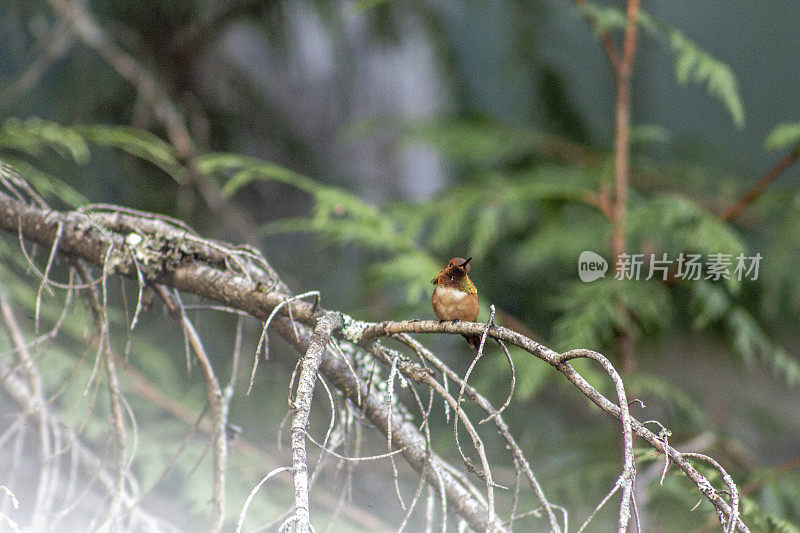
<point>455,296</point>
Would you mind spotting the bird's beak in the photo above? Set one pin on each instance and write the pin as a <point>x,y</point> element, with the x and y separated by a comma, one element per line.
<point>464,264</point>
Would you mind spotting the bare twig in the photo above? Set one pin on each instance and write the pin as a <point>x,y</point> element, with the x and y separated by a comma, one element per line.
<point>422,326</point>
<point>356,458</point>
<point>475,439</point>
<point>390,408</point>
<point>600,505</point>
<point>46,274</point>
<point>664,434</point>
<point>511,386</point>
<point>59,43</point>
<point>733,493</point>
<point>516,451</point>
<point>627,479</point>
<point>217,402</point>
<point>253,492</point>
<point>264,339</point>
<point>326,325</point>
<point>99,312</point>
<point>234,288</point>
<point>760,186</point>
<point>37,407</point>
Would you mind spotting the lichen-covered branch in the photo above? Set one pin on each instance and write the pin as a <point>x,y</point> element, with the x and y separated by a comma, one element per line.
<point>164,253</point>
<point>174,256</point>
<point>555,359</point>
<point>302,408</point>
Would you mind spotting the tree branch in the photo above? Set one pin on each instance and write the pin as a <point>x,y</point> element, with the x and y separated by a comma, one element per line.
<point>381,329</point>
<point>217,401</point>
<point>760,186</point>
<point>608,44</point>
<point>156,94</point>
<point>82,454</point>
<point>622,67</point>
<point>175,257</point>
<point>326,325</point>
<point>99,311</point>
<point>622,148</point>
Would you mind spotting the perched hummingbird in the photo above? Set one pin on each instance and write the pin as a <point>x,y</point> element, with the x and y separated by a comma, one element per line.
<point>455,296</point>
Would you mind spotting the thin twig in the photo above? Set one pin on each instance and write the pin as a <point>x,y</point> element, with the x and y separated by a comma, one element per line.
<point>628,477</point>
<point>216,401</point>
<point>233,288</point>
<point>264,339</point>
<point>326,325</point>
<point>511,386</point>
<point>327,439</point>
<point>99,311</point>
<point>516,451</point>
<point>46,275</point>
<point>359,458</point>
<point>390,410</point>
<point>600,505</point>
<point>253,492</point>
<point>37,407</point>
<point>733,211</point>
<point>733,493</point>
<point>475,439</point>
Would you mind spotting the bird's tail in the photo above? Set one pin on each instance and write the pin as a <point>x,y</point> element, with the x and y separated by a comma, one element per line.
<point>474,340</point>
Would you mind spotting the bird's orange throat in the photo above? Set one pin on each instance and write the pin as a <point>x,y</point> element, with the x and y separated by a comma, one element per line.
<point>462,283</point>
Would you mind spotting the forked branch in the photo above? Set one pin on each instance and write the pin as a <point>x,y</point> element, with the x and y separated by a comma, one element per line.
<point>237,278</point>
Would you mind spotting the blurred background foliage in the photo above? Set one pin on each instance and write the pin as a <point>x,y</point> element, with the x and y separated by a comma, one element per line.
<point>363,144</point>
